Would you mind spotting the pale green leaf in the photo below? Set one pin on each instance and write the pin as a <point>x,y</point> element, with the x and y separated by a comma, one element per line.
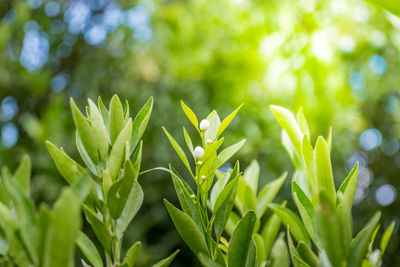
<point>167,261</point>
<point>140,122</point>
<point>116,118</point>
<point>89,250</point>
<point>191,116</point>
<point>225,123</point>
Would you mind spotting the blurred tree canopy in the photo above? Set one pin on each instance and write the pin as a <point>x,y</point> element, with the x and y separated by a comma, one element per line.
<point>336,59</point>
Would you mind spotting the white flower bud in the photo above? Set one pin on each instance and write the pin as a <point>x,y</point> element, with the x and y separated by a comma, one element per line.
<point>198,152</point>
<point>204,124</point>
<point>209,141</point>
<point>203,177</point>
<point>193,196</point>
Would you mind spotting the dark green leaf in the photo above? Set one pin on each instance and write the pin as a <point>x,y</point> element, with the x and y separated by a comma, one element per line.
<point>132,254</point>
<point>167,261</point>
<point>240,242</point>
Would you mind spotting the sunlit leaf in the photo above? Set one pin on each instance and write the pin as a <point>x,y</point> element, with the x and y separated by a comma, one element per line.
<point>191,116</point>
<point>140,122</point>
<point>116,118</point>
<point>167,261</point>
<point>225,123</point>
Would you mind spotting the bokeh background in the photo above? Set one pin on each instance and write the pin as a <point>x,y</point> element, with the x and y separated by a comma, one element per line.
<point>338,59</point>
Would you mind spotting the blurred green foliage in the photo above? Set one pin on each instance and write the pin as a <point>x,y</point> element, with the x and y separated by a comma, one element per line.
<point>336,59</point>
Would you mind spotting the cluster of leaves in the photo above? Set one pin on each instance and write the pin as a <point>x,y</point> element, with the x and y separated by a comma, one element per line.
<point>38,237</point>
<point>325,212</point>
<point>209,210</point>
<point>108,191</point>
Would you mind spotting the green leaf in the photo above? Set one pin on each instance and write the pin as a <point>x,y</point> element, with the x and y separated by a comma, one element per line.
<point>23,173</point>
<point>184,193</point>
<point>323,169</point>
<point>240,242</point>
<point>178,149</point>
<point>306,253</point>
<point>116,118</point>
<point>290,219</point>
<point>85,132</point>
<point>359,245</point>
<point>389,5</point>
<point>207,262</point>
<point>63,230</point>
<point>297,262</point>
<point>270,232</point>
<point>100,133</point>
<point>117,154</point>
<point>223,206</point>
<point>140,122</point>
<point>251,174</point>
<point>89,250</point>
<point>250,199</point>
<point>225,123</point>
<point>167,261</point>
<point>301,120</point>
<point>268,193</point>
<point>119,191</point>
<point>188,140</point>
<point>188,230</point>
<point>132,206</point>
<point>386,237</point>
<point>308,157</point>
<point>251,260</point>
<point>191,116</point>
<point>68,168</point>
<point>227,153</point>
<point>323,260</point>
<point>99,228</point>
<point>304,206</point>
<point>328,230</point>
<point>132,254</point>
<point>104,112</point>
<point>215,122</point>
<point>84,155</point>
<point>348,187</point>
<point>279,253</point>
<point>260,248</point>
<point>289,124</point>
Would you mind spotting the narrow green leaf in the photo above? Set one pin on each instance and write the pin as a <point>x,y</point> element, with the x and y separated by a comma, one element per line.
<point>306,253</point>
<point>293,252</point>
<point>289,123</point>
<point>279,253</point>
<point>240,242</point>
<point>188,140</point>
<point>301,120</point>
<point>119,191</point>
<point>132,206</point>
<point>207,262</point>
<point>68,168</point>
<point>116,118</point>
<point>251,260</point>
<point>323,169</point>
<point>227,153</point>
<point>290,219</point>
<point>190,115</point>
<point>211,133</point>
<point>359,246</point>
<point>100,133</point>
<point>23,173</point>
<point>187,229</point>
<point>84,155</point>
<point>167,261</point>
<point>99,228</point>
<point>178,149</point>
<point>260,248</point>
<point>251,175</point>
<point>63,230</point>
<point>268,193</point>
<point>117,154</point>
<point>132,254</point>
<point>140,122</point>
<point>85,132</point>
<point>225,123</point>
<point>348,187</point>
<point>309,161</point>
<point>223,206</point>
<point>386,237</point>
<point>328,230</point>
<point>104,113</point>
<point>89,250</point>
<point>304,206</point>
<point>270,232</point>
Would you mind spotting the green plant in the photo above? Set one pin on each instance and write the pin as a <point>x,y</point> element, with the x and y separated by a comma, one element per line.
<point>208,210</point>
<point>247,199</point>
<point>108,142</point>
<point>38,237</point>
<point>325,212</point>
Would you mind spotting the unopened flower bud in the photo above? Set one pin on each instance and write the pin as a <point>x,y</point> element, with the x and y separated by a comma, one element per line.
<point>209,141</point>
<point>198,152</point>
<point>203,177</point>
<point>193,196</point>
<point>204,124</point>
